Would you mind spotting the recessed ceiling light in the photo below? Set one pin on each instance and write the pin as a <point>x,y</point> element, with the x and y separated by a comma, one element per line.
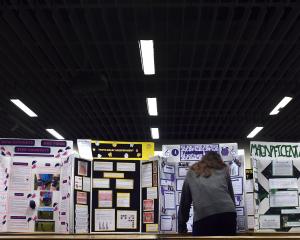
<point>147,56</point>
<point>152,106</point>
<point>23,107</point>
<point>154,133</point>
<point>254,132</point>
<point>280,105</point>
<point>54,133</point>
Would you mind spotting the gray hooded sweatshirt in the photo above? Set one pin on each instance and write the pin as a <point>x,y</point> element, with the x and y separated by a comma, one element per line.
<point>209,195</point>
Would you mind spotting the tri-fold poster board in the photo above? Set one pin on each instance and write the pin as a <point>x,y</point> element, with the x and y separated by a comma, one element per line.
<point>276,173</point>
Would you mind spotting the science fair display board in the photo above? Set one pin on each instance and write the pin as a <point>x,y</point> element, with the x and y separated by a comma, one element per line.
<point>116,185</point>
<point>176,161</point>
<point>276,173</point>
<point>150,201</point>
<point>82,195</point>
<point>35,185</point>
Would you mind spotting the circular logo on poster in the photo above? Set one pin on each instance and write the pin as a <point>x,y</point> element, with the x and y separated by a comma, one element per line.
<point>175,152</point>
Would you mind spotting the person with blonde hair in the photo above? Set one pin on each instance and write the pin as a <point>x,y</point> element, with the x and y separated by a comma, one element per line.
<point>208,187</point>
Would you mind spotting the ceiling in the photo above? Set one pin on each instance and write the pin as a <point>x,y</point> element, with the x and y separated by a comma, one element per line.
<point>221,67</point>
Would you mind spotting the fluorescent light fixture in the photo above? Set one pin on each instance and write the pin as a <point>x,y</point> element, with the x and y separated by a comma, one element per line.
<point>147,56</point>
<point>154,133</point>
<point>152,106</point>
<point>280,105</point>
<point>23,107</point>
<point>254,132</point>
<point>54,133</point>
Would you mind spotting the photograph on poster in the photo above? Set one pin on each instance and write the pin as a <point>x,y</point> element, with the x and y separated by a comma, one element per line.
<point>101,183</point>
<point>124,184</point>
<point>269,221</point>
<point>46,199</point>
<point>123,199</point>
<point>103,166</point>
<point>82,168</point>
<point>45,226</point>
<point>182,171</point>
<point>104,220</point>
<point>284,199</point>
<point>282,167</point>
<point>169,169</point>
<point>126,219</point>
<point>152,193</point>
<point>148,217</point>
<point>237,184</point>
<point>148,205</point>
<point>44,181</point>
<point>104,198</point>
<point>179,184</point>
<point>86,184</point>
<point>166,223</point>
<point>125,167</point>
<point>45,213</point>
<point>81,197</point>
<point>78,183</point>
<point>169,200</point>
<point>113,175</point>
<point>146,175</point>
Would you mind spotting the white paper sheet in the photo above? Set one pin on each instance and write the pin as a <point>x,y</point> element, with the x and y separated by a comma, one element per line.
<point>84,148</point>
<point>20,179</point>
<point>126,219</point>
<point>169,199</point>
<point>165,223</point>
<point>250,203</point>
<point>86,184</point>
<point>284,199</point>
<point>146,175</point>
<point>182,171</point>
<point>101,183</point>
<point>237,184</point>
<point>179,184</point>
<point>249,185</point>
<point>124,183</point>
<point>165,182</point>
<point>104,220</point>
<point>125,167</point>
<point>169,169</point>
<point>103,166</point>
<point>269,221</point>
<point>105,198</point>
<point>123,199</point>
<point>251,222</point>
<point>18,224</point>
<point>282,167</point>
<point>18,204</point>
<point>78,183</point>
<point>81,219</point>
<point>283,183</point>
<point>152,193</point>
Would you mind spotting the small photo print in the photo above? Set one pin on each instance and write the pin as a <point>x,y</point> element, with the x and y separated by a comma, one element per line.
<point>82,168</point>
<point>48,182</point>
<point>45,199</point>
<point>148,217</point>
<point>148,205</point>
<point>81,198</point>
<point>44,226</point>
<point>45,213</point>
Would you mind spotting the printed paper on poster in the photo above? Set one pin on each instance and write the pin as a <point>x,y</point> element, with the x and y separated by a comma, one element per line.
<point>104,198</point>
<point>282,167</point>
<point>146,175</point>
<point>126,219</point>
<point>104,220</point>
<point>103,166</point>
<point>126,167</point>
<point>269,221</point>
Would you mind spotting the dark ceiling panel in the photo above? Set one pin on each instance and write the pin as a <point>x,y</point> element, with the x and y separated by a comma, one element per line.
<point>221,66</point>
